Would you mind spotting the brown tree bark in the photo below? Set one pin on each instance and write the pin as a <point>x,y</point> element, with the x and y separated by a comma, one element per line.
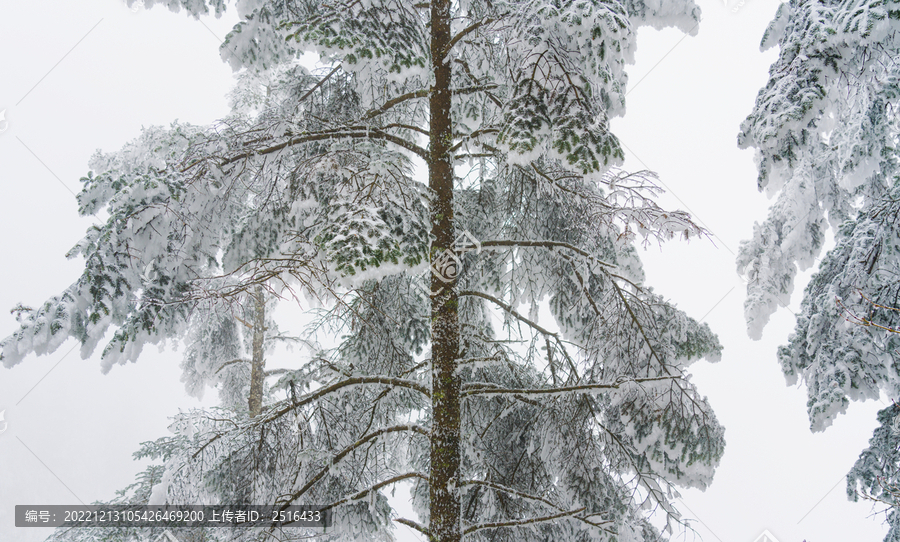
<point>258,364</point>
<point>445,383</point>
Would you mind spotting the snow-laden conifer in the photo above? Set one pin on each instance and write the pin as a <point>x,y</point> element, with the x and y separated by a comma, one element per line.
<point>506,430</point>
<point>825,132</point>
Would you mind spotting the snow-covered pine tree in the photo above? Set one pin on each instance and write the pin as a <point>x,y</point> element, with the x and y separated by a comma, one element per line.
<point>825,131</point>
<point>524,433</point>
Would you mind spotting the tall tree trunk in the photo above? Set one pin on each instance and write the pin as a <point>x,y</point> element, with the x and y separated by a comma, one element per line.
<point>445,383</point>
<point>258,364</point>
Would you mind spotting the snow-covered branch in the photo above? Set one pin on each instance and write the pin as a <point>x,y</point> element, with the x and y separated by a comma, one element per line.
<point>355,381</point>
<point>546,244</point>
<point>537,498</point>
<point>518,522</point>
<point>508,308</point>
<point>468,30</point>
<point>350,132</point>
<point>375,487</point>
<point>343,453</point>
<point>483,388</point>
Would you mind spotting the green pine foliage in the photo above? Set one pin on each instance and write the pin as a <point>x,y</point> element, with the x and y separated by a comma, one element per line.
<point>571,429</point>
<point>825,130</point>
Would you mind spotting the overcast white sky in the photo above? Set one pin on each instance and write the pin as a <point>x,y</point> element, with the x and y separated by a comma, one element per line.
<point>78,76</point>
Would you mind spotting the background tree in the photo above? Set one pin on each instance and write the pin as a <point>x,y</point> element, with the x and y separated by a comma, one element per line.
<point>571,433</point>
<point>825,130</point>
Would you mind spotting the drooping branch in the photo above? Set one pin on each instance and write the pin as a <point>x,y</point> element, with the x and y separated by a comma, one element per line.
<point>421,93</point>
<point>355,381</point>
<point>310,274</point>
<point>511,491</point>
<point>590,299</point>
<point>473,89</point>
<point>584,289</point>
<point>640,326</point>
<point>343,453</point>
<point>517,522</point>
<point>523,495</point>
<point>376,487</point>
<point>468,71</point>
<point>509,310</point>
<point>365,492</point>
<point>402,126</point>
<point>534,325</point>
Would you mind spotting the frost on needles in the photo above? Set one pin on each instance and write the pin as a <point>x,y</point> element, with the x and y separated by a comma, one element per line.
<point>825,131</point>
<point>442,377</point>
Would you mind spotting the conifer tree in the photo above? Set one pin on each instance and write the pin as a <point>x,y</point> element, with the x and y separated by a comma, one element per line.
<point>825,131</point>
<point>525,431</point>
